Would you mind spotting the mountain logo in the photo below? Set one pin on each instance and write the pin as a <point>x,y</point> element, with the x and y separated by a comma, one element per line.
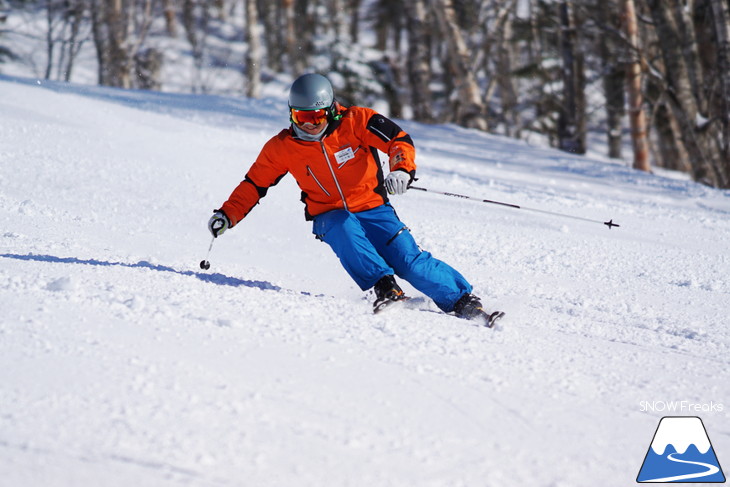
<point>680,452</point>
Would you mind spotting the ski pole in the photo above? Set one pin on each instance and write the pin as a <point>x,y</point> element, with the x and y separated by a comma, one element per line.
<point>609,223</point>
<point>205,264</point>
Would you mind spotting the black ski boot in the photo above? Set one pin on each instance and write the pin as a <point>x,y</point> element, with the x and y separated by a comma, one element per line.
<point>387,292</point>
<point>469,307</point>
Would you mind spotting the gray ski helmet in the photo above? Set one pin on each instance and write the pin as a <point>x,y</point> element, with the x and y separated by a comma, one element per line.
<point>311,92</point>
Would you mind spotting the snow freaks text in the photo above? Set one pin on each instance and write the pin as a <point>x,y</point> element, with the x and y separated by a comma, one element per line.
<point>680,407</point>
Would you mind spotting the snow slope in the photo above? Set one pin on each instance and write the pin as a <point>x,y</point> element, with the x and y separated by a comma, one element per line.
<point>122,363</point>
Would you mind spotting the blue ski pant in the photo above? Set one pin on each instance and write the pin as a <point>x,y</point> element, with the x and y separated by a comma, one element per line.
<point>375,243</point>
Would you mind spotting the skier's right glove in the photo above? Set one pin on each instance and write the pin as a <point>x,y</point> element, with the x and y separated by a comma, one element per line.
<point>218,223</point>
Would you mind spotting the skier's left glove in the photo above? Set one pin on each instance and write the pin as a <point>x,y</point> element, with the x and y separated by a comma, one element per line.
<point>218,223</point>
<point>397,182</point>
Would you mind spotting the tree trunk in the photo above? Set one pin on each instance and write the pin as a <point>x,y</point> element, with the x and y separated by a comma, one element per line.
<point>148,65</point>
<point>670,150</point>
<point>721,22</point>
<point>294,45</point>
<point>687,33</point>
<point>572,120</point>
<point>273,16</point>
<point>119,28</point>
<point>50,42</point>
<point>355,21</point>
<point>418,62</point>
<point>74,46</point>
<point>702,142</point>
<point>469,110</point>
<point>120,66</point>
<point>614,77</point>
<point>613,88</point>
<point>637,115</point>
<point>339,20</point>
<point>170,17</point>
<point>98,29</point>
<point>196,16</point>
<point>253,55</point>
<point>391,83</point>
<point>505,80</point>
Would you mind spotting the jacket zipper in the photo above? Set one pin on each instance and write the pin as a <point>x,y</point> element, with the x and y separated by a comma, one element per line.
<point>332,171</point>
<point>311,173</point>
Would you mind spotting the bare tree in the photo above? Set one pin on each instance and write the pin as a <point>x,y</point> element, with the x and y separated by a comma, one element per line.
<point>721,24</point>
<point>72,45</point>
<point>170,13</point>
<point>505,80</point>
<point>572,120</point>
<point>387,19</point>
<point>418,62</point>
<point>669,150</point>
<point>469,107</point>
<point>339,20</point>
<point>5,52</point>
<point>272,15</point>
<point>196,17</point>
<point>354,6</point>
<point>50,36</point>
<point>65,35</point>
<point>295,44</point>
<point>700,135</point>
<point>494,62</point>
<point>516,67</point>
<point>253,55</point>
<point>614,74</point>
<point>119,28</point>
<point>637,115</point>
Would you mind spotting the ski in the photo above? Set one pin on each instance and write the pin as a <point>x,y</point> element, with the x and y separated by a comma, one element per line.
<point>387,304</point>
<point>487,320</point>
<point>490,320</point>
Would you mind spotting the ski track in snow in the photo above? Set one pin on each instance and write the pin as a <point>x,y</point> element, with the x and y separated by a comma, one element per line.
<point>125,364</point>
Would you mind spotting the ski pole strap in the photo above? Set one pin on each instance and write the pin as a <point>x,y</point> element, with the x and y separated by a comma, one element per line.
<point>609,223</point>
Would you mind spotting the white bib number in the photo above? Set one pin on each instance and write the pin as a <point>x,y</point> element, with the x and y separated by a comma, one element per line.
<point>344,155</point>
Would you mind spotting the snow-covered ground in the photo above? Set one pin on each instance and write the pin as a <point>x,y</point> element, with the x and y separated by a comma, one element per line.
<point>122,363</point>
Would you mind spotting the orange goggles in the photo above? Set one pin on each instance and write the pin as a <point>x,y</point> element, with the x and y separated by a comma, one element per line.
<point>315,117</point>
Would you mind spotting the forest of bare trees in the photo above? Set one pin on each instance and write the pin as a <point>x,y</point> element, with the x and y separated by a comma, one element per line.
<point>653,75</point>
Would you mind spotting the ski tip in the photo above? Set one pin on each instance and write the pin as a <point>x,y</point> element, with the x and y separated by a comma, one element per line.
<point>485,319</point>
<point>493,318</point>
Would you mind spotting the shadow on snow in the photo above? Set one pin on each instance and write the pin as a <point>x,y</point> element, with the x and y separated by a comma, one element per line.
<point>215,278</point>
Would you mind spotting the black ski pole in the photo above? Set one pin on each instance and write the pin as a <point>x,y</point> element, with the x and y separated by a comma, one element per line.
<point>610,224</point>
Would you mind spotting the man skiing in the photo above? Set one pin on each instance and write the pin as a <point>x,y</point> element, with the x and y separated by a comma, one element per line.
<point>332,152</point>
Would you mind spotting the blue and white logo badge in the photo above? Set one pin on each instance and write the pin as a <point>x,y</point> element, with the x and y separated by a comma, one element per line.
<point>681,452</point>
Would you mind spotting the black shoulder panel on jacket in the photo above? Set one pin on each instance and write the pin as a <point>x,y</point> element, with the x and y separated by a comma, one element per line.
<point>385,128</point>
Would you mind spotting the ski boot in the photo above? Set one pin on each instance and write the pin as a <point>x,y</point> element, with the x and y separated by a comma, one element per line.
<point>387,292</point>
<point>469,307</point>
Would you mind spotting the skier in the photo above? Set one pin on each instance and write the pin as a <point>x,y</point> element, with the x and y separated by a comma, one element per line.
<point>332,152</point>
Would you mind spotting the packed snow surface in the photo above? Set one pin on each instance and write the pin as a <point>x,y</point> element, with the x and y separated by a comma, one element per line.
<point>123,363</point>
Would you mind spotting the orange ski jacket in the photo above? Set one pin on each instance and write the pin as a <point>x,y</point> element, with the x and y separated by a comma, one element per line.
<point>340,171</point>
